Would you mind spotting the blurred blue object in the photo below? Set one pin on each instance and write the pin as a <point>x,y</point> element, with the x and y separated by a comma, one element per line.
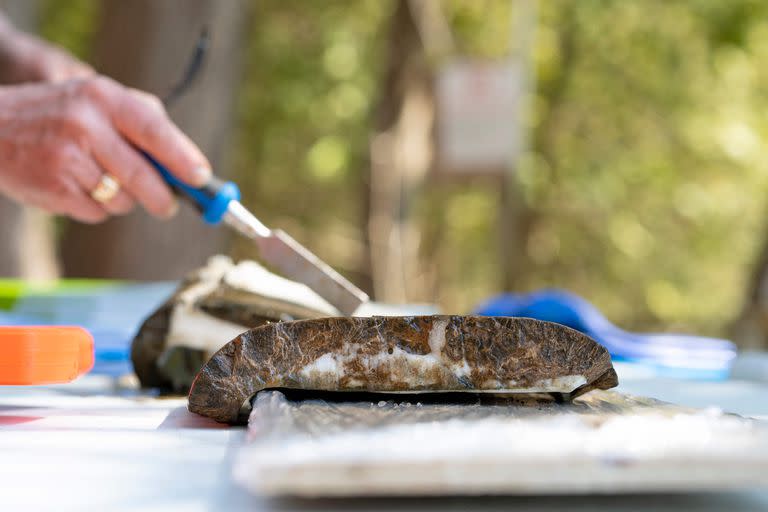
<point>112,313</point>
<point>672,355</point>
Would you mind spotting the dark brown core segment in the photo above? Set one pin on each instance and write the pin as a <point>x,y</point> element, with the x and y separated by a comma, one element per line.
<point>401,354</point>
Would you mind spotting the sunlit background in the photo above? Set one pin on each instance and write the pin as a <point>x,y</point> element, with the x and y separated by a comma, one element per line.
<point>642,185</point>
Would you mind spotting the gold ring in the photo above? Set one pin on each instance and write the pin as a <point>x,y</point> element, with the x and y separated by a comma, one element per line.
<point>106,190</point>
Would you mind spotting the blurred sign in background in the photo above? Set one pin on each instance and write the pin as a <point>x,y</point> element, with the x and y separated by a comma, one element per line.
<point>478,113</point>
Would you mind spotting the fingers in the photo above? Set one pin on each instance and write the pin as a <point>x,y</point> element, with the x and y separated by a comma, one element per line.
<point>75,202</point>
<point>59,66</point>
<point>142,120</point>
<point>84,209</point>
<point>121,204</point>
<point>68,70</point>
<point>135,174</point>
<point>89,175</point>
<point>114,125</point>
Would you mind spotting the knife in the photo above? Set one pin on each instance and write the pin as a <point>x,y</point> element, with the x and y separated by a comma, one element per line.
<point>219,201</point>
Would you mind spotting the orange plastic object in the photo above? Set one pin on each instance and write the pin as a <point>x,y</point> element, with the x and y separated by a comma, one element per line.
<point>44,355</point>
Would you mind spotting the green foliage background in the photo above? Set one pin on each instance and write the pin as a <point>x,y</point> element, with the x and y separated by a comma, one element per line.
<point>644,183</point>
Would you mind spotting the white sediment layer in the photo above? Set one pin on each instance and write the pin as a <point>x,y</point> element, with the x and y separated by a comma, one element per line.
<point>192,328</point>
<point>251,277</point>
<point>420,370</point>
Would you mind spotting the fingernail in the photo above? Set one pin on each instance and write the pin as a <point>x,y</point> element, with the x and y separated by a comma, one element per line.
<point>202,175</point>
<point>172,210</point>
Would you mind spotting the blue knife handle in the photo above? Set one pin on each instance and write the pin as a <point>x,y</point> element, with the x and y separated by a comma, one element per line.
<point>212,199</point>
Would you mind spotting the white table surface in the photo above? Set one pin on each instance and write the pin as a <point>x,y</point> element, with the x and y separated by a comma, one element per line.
<point>89,446</point>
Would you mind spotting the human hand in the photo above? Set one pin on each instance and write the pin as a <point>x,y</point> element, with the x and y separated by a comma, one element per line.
<point>57,141</point>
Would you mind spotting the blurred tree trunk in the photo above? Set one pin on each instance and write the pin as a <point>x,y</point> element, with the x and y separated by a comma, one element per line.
<point>750,330</point>
<point>10,233</point>
<point>28,246</point>
<point>401,153</point>
<point>147,44</point>
<point>515,216</point>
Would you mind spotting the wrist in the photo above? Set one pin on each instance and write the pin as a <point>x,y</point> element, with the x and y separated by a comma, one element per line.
<point>12,53</point>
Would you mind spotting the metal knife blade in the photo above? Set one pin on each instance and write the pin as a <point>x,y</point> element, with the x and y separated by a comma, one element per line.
<point>295,261</point>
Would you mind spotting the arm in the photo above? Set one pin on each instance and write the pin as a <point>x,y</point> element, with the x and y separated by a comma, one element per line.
<point>26,58</point>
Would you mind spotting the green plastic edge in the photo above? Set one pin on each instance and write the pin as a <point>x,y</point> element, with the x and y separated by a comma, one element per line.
<point>13,289</point>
